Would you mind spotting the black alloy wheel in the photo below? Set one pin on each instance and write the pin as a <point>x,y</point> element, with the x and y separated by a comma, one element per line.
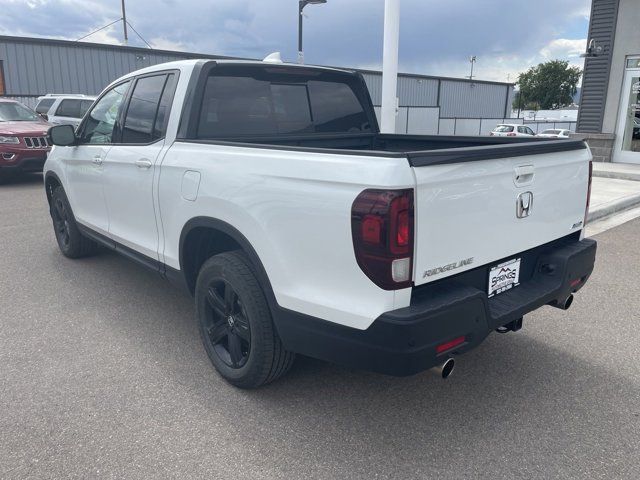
<point>228,330</point>
<point>60,216</point>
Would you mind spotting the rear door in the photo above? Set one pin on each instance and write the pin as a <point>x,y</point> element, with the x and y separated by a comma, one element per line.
<point>130,167</point>
<point>474,213</point>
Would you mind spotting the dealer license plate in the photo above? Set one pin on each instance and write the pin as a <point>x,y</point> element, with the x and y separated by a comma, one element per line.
<point>504,277</point>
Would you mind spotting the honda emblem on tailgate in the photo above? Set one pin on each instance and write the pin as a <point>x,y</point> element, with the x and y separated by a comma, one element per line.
<point>524,204</point>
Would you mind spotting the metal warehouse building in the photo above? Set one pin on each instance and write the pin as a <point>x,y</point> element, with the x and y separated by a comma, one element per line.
<point>31,67</point>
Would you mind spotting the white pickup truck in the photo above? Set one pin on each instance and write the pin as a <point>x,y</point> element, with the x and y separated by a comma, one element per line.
<point>267,190</point>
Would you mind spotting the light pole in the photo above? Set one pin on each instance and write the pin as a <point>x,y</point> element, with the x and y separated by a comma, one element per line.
<point>301,5</point>
<point>390,46</point>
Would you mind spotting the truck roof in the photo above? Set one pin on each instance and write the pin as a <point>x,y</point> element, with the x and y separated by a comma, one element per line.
<point>188,64</point>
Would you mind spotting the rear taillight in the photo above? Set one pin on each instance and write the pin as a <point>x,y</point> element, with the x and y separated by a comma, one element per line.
<point>382,230</point>
<point>586,210</point>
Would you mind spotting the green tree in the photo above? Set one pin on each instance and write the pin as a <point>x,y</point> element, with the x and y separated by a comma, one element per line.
<point>551,85</point>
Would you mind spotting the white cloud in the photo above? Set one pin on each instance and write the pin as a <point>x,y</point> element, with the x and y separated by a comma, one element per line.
<point>564,48</point>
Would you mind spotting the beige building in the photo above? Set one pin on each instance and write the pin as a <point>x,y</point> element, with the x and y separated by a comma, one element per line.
<point>609,116</point>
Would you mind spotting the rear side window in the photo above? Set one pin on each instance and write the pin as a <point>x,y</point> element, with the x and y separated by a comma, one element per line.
<point>140,119</point>
<point>504,128</point>
<point>162,118</point>
<point>236,106</point>
<point>44,105</point>
<point>69,107</point>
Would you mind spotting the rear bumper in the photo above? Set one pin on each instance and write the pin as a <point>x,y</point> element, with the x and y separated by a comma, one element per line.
<point>403,342</point>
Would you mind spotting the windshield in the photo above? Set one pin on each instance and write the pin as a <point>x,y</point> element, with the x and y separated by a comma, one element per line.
<point>15,112</point>
<point>503,128</point>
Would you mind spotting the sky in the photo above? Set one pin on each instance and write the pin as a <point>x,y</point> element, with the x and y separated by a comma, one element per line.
<point>437,36</point>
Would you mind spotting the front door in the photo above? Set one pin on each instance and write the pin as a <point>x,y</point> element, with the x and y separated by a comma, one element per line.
<point>627,148</point>
<point>84,161</point>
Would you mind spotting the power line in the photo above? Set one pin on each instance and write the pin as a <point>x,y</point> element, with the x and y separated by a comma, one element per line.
<point>101,28</point>
<point>136,32</point>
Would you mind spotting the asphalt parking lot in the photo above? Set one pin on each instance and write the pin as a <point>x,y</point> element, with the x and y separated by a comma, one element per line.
<point>102,375</point>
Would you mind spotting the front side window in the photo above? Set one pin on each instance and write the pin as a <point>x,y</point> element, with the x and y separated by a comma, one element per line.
<point>16,112</point>
<point>101,121</point>
<point>44,105</point>
<point>266,103</point>
<point>84,106</point>
<point>143,106</point>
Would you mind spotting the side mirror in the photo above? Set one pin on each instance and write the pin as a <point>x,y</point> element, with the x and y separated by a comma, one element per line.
<point>62,135</point>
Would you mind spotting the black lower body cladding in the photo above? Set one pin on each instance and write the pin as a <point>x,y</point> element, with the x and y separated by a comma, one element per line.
<point>405,341</point>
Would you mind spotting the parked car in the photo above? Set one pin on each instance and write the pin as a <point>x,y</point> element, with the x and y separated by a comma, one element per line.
<point>269,193</point>
<point>23,138</point>
<point>511,130</point>
<point>64,109</point>
<point>554,133</point>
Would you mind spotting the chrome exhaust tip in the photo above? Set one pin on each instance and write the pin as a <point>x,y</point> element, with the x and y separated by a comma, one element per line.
<point>565,304</point>
<point>445,369</point>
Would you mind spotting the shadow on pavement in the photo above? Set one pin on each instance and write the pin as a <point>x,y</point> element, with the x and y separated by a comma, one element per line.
<point>20,178</point>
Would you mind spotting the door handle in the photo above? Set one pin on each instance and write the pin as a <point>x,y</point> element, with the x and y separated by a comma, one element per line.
<point>523,175</point>
<point>97,160</point>
<point>143,163</point>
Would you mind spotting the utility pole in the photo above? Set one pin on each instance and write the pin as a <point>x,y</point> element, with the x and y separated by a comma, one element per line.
<point>124,23</point>
<point>390,66</point>
<point>472,59</point>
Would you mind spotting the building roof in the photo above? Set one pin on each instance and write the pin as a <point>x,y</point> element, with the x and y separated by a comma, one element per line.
<point>194,55</point>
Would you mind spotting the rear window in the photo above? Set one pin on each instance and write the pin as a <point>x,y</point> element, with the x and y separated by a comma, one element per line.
<point>503,128</point>
<point>44,105</point>
<point>264,104</point>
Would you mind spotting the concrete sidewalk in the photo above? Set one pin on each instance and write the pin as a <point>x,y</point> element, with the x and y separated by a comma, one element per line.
<point>620,171</point>
<point>616,187</point>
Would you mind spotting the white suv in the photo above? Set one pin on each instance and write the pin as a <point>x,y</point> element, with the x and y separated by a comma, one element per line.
<point>512,130</point>
<point>64,109</point>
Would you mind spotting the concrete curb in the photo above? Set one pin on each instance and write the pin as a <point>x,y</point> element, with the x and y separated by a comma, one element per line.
<point>612,207</point>
<point>617,175</point>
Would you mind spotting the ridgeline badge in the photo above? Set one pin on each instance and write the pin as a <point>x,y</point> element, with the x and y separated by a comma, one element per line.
<point>446,268</point>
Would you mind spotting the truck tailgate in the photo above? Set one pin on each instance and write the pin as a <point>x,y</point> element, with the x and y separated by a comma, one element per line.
<point>477,212</point>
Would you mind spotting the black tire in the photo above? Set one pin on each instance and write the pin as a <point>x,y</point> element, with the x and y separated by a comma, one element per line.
<point>235,323</point>
<point>71,242</point>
